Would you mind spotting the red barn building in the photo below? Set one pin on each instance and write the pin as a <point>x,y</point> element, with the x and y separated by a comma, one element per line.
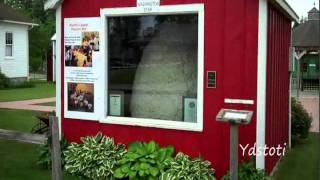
<point>151,70</point>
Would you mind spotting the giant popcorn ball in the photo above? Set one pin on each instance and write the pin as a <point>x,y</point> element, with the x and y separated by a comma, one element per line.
<point>167,73</point>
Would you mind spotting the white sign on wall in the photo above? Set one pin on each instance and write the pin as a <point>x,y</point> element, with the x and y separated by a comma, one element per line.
<point>83,68</point>
<point>148,5</point>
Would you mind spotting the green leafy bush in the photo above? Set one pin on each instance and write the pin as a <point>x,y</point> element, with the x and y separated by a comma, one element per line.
<point>248,171</point>
<point>26,84</point>
<point>44,158</point>
<point>185,168</point>
<point>95,158</point>
<point>300,120</point>
<point>143,161</point>
<point>4,81</point>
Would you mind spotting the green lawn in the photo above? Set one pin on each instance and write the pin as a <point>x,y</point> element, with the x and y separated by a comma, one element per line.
<point>302,162</point>
<point>47,104</point>
<point>41,90</point>
<point>18,160</point>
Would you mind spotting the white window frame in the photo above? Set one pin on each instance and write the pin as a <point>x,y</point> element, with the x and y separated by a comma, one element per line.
<point>5,46</point>
<point>144,122</point>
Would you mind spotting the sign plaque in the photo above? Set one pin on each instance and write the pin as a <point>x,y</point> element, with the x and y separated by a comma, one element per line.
<point>148,5</point>
<point>190,109</point>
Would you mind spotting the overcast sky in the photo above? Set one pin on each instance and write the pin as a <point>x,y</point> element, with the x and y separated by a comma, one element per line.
<point>303,6</point>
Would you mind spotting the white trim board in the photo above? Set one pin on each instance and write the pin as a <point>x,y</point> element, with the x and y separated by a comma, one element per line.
<point>172,9</point>
<point>262,80</point>
<point>239,101</point>
<point>52,4</point>
<point>287,9</point>
<point>58,66</point>
<point>19,22</point>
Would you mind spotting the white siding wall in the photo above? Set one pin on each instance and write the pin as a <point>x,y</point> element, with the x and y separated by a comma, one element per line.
<point>18,65</point>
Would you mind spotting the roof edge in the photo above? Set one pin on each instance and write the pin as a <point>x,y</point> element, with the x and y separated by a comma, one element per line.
<point>54,37</point>
<point>287,9</point>
<point>52,4</point>
<point>19,22</point>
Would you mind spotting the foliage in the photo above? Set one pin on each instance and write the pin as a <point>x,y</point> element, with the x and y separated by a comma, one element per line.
<point>144,161</point>
<point>300,120</point>
<point>26,84</point>
<point>248,171</point>
<point>44,158</point>
<point>185,168</point>
<point>95,158</point>
<point>39,36</point>
<point>4,81</point>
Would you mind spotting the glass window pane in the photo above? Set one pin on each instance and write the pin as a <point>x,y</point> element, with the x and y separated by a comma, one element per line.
<point>153,67</point>
<point>8,50</point>
<point>8,38</point>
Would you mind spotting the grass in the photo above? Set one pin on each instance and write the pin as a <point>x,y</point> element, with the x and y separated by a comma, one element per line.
<point>17,120</point>
<point>18,160</point>
<point>47,104</point>
<point>302,162</point>
<point>42,89</point>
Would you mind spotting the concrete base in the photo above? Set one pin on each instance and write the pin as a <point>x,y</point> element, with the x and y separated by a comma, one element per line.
<point>18,80</point>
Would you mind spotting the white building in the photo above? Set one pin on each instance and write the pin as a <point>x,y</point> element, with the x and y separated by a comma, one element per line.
<point>14,43</point>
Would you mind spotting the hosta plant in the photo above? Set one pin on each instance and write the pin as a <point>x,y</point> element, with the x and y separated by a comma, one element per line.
<point>185,168</point>
<point>143,161</point>
<point>95,158</point>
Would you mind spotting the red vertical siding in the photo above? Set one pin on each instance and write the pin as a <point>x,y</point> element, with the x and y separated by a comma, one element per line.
<point>231,38</point>
<point>277,107</point>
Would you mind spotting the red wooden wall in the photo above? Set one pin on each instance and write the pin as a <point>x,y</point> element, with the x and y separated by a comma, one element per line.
<point>231,39</point>
<point>277,108</point>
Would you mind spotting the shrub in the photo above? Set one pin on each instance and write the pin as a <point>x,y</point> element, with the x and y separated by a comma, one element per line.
<point>44,158</point>
<point>27,84</point>
<point>144,161</point>
<point>185,168</point>
<point>95,158</point>
<point>300,120</point>
<point>4,81</point>
<point>248,171</point>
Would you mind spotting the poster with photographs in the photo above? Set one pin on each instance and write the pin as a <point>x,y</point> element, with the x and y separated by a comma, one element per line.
<point>81,97</point>
<point>82,67</point>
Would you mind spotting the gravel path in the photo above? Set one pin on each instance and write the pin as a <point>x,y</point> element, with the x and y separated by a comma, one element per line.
<point>311,104</point>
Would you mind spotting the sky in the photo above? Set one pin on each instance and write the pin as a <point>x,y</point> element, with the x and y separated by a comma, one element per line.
<point>303,6</point>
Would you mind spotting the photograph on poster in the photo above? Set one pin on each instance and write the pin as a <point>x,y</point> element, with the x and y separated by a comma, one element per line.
<point>91,39</point>
<point>81,97</point>
<point>78,56</point>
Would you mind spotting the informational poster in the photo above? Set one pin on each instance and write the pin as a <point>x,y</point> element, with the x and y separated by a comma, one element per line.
<point>116,105</point>
<point>82,68</point>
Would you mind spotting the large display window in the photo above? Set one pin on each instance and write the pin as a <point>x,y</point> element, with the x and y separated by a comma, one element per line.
<point>154,66</point>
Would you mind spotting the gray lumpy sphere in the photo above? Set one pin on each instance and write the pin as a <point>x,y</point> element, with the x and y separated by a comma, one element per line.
<point>167,73</point>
